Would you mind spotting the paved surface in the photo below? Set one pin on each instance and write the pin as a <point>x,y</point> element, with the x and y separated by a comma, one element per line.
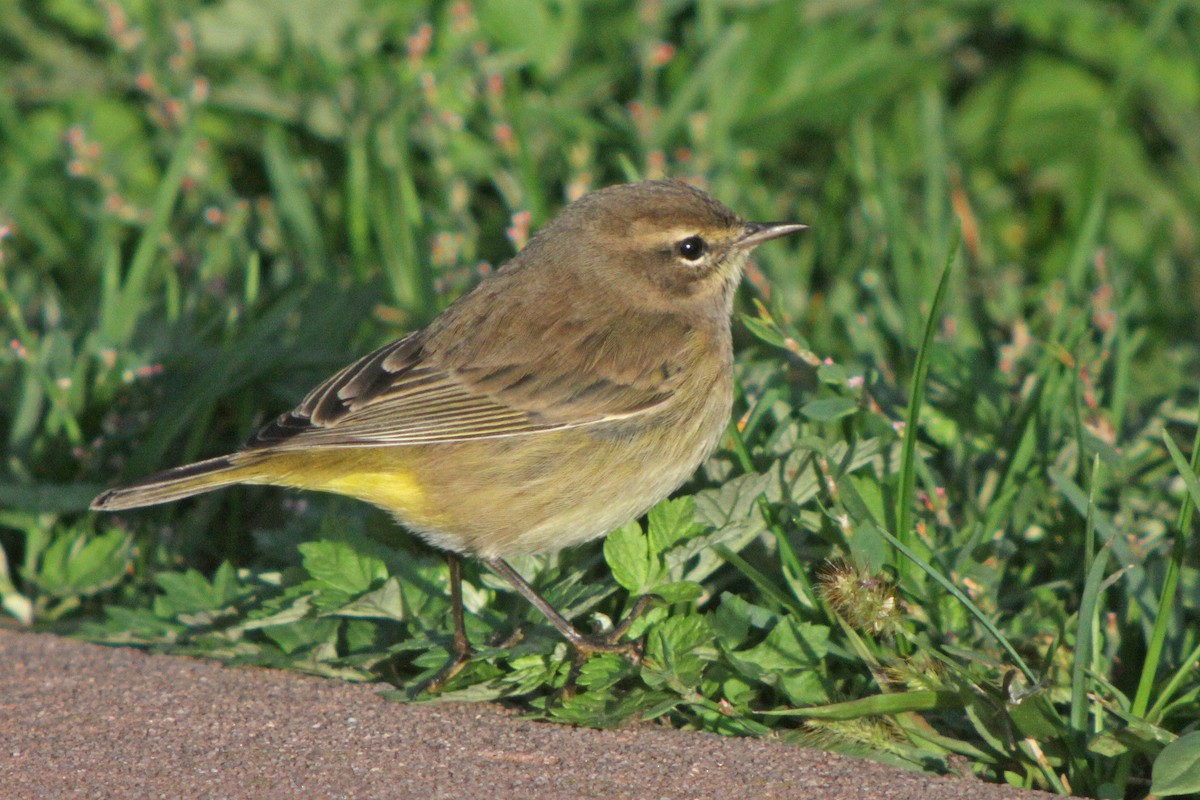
<point>81,721</point>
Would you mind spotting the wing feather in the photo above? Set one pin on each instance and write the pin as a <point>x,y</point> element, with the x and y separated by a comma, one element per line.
<point>401,394</point>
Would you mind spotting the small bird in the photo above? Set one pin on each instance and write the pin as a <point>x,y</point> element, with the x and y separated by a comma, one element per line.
<point>570,391</point>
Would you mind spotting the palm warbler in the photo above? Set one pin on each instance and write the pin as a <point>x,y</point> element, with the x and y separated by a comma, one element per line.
<point>566,394</point>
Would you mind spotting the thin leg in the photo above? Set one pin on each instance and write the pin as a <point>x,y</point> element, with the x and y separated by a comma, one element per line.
<point>641,606</point>
<point>462,645</point>
<point>461,651</point>
<point>584,645</point>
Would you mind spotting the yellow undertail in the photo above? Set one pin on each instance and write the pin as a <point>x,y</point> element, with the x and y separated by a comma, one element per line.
<point>373,474</point>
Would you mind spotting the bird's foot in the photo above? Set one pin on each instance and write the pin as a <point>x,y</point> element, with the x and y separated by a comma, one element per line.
<point>461,654</point>
<point>609,642</point>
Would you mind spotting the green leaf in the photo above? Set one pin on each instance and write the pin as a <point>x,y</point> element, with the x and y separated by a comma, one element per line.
<point>340,566</point>
<point>190,592</point>
<point>298,609</point>
<point>1107,745</point>
<point>734,618</point>
<point>122,625</point>
<point>603,671</point>
<point>605,710</point>
<point>1177,768</point>
<point>675,646</point>
<point>789,646</point>
<point>679,591</point>
<point>1036,718</point>
<point>386,602</point>
<point>1185,470</point>
<point>732,512</point>
<point>866,546</point>
<point>627,551</point>
<point>539,32</point>
<point>833,374</point>
<point>359,636</point>
<point>671,521</point>
<point>735,500</point>
<point>942,428</point>
<point>76,563</point>
<point>225,582</point>
<point>803,687</point>
<point>303,634</point>
<point>767,331</point>
<point>828,409</point>
<point>18,605</point>
<point>269,27</point>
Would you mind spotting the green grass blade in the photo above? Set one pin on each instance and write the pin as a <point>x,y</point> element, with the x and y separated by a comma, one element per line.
<point>961,597</point>
<point>295,208</point>
<point>134,290</point>
<point>792,567</point>
<point>1082,661</point>
<point>1166,598</point>
<point>761,581</point>
<point>908,448</point>
<point>1185,671</point>
<point>874,706</point>
<point>358,187</point>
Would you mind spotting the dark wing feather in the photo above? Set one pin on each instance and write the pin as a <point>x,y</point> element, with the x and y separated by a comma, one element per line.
<point>403,394</point>
<point>529,350</point>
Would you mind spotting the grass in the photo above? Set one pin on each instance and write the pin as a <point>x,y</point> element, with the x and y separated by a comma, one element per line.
<point>952,526</point>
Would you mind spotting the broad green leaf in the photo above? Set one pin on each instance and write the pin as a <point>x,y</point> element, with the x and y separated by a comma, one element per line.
<point>679,591</point>
<point>342,567</point>
<point>97,562</point>
<point>734,618</point>
<point>606,710</point>
<point>1177,769</point>
<point>833,374</point>
<point>298,609</point>
<point>386,602</point>
<point>866,546</point>
<point>303,634</point>
<point>627,551</point>
<point>603,671</point>
<point>828,409</point>
<point>765,330</point>
<point>670,521</point>
<point>675,647</point>
<point>74,562</point>
<point>190,592</point>
<point>803,687</point>
<point>789,646</point>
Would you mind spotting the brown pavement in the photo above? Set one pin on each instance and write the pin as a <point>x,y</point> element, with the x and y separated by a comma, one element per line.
<point>82,721</point>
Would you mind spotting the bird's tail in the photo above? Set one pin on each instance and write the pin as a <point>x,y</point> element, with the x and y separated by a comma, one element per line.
<point>173,484</point>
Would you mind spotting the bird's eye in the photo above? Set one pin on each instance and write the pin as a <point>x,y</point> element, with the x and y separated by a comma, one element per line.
<point>691,248</point>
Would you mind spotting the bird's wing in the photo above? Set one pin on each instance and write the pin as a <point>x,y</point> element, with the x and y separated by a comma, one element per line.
<point>407,393</point>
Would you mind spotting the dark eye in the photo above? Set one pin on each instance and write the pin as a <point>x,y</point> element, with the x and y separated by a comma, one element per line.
<point>691,248</point>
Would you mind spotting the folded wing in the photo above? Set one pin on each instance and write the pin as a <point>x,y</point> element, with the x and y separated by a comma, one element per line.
<point>407,393</point>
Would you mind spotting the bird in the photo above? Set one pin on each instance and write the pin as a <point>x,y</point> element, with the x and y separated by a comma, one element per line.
<point>570,391</point>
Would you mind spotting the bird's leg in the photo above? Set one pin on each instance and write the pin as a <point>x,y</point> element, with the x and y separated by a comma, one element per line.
<point>461,650</point>
<point>640,606</point>
<point>584,645</point>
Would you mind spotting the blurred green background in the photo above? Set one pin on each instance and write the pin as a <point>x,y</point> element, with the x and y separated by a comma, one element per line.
<point>207,207</point>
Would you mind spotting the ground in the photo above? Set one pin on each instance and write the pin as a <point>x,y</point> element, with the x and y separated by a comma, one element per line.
<point>79,720</point>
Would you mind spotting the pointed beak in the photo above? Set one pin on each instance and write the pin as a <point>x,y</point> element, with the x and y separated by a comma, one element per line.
<point>755,233</point>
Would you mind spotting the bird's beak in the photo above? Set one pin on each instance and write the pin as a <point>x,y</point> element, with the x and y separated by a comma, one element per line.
<point>755,233</point>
